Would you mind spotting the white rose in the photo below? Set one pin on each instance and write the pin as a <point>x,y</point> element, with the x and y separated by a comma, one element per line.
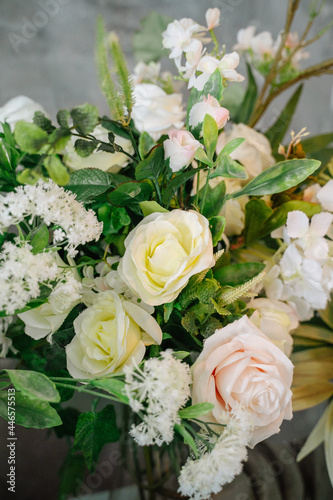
<point>155,111</point>
<point>255,153</point>
<point>163,252</point>
<point>108,162</point>
<point>240,366</point>
<point>180,148</point>
<point>208,106</point>
<point>19,108</point>
<point>276,320</point>
<point>109,335</point>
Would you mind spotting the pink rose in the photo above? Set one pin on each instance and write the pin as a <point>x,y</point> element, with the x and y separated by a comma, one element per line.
<point>209,106</point>
<point>240,366</point>
<point>180,148</point>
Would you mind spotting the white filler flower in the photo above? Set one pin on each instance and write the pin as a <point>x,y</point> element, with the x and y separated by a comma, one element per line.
<point>157,392</point>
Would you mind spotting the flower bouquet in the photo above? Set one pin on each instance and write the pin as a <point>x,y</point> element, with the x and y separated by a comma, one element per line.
<point>176,262</point>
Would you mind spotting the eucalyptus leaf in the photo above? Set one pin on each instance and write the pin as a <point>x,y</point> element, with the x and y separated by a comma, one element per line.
<point>279,177</point>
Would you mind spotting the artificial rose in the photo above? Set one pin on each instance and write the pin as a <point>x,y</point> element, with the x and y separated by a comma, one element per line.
<point>108,162</point>
<point>163,252</point>
<point>179,38</point>
<point>209,106</point>
<point>109,335</point>
<point>208,64</point>
<point>276,320</point>
<point>155,111</point>
<point>261,44</point>
<point>240,366</point>
<point>255,153</point>
<point>19,108</point>
<point>212,18</point>
<point>180,148</point>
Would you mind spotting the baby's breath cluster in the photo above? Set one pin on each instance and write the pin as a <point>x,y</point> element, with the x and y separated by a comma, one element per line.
<point>74,225</point>
<point>221,459</point>
<point>156,393</point>
<point>21,273</point>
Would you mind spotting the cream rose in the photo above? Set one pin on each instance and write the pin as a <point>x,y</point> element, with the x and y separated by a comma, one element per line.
<point>163,252</point>
<point>239,365</point>
<point>155,111</point>
<point>180,148</point>
<point>108,162</point>
<point>275,319</point>
<point>109,335</point>
<point>255,153</point>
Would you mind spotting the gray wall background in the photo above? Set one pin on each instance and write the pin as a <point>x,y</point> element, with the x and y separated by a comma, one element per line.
<point>47,47</point>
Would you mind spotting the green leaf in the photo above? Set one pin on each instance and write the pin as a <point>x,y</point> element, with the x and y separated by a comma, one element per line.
<point>130,194</point>
<point>89,183</point>
<point>279,177</point>
<point>277,131</point>
<point>147,42</point>
<point>216,226</point>
<point>327,314</point>
<point>113,218</point>
<point>238,274</point>
<point>175,184</point>
<point>115,127</point>
<point>279,216</point>
<point>316,436</point>
<point>57,170</point>
<point>328,440</point>
<point>146,143</point>
<point>93,431</point>
<point>40,239</point>
<point>196,411</point>
<point>188,439</point>
<point>214,200</point>
<point>29,176</point>
<point>31,413</point>
<point>150,207</point>
<point>112,386</point>
<point>316,143</point>
<point>29,137</point>
<point>151,167</point>
<point>71,473</point>
<point>85,118</point>
<point>249,100</point>
<point>180,354</point>
<point>63,117</point>
<point>210,134</point>
<point>214,86</point>
<point>201,155</point>
<point>227,167</point>
<point>230,147</point>
<point>84,148</point>
<point>34,384</point>
<point>42,122</point>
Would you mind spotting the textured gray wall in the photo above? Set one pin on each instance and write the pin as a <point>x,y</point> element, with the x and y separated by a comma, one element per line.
<point>53,61</point>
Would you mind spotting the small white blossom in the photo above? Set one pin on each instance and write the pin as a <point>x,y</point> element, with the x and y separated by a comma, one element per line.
<point>21,273</point>
<point>201,477</point>
<point>157,392</point>
<point>54,206</point>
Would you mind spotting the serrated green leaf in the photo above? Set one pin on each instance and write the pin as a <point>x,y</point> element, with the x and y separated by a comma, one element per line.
<point>63,117</point>
<point>238,274</point>
<point>85,118</point>
<point>150,207</point>
<point>42,122</point>
<point>113,386</point>
<point>210,134</point>
<point>147,42</point>
<point>29,137</point>
<point>278,178</point>
<point>57,170</point>
<point>89,183</point>
<point>277,131</point>
<point>249,100</point>
<point>34,385</point>
<point>196,411</point>
<point>31,413</point>
<point>227,167</point>
<point>40,240</point>
<point>93,431</point>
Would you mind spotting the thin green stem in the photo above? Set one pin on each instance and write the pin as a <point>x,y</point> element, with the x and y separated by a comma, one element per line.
<point>87,391</point>
<point>205,191</point>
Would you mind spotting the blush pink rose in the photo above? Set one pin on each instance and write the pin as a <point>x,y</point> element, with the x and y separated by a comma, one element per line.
<point>180,148</point>
<point>240,366</point>
<point>208,106</point>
